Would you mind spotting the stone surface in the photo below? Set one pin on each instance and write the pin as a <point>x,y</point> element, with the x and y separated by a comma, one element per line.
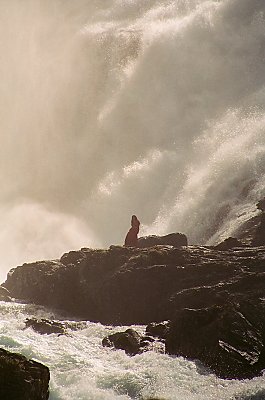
<point>229,243</point>
<point>22,379</point>
<point>4,294</point>
<point>45,326</point>
<point>129,341</point>
<point>133,343</point>
<point>159,330</point>
<point>139,286</point>
<point>229,339</point>
<point>259,236</point>
<point>125,286</point>
<point>172,239</point>
<point>261,204</point>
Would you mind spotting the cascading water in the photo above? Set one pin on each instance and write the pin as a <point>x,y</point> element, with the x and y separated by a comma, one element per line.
<point>120,107</point>
<point>82,370</point>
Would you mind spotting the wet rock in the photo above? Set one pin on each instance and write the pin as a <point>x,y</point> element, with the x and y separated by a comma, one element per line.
<point>4,294</point>
<point>228,339</point>
<point>128,341</point>
<point>22,379</point>
<point>252,232</point>
<point>259,236</point>
<point>72,258</point>
<point>159,329</point>
<point>228,244</point>
<point>172,239</point>
<point>45,326</point>
<point>133,343</point>
<point>261,204</point>
<point>126,286</point>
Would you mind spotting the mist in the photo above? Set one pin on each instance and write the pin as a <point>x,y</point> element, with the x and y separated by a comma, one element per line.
<point>153,108</point>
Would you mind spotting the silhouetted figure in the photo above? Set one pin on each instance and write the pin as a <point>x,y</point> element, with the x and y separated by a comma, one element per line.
<point>131,239</point>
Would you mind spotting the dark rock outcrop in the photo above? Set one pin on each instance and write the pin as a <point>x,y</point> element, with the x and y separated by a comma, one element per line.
<point>133,343</point>
<point>22,379</point>
<point>159,329</point>
<point>125,286</point>
<point>229,339</point>
<point>139,286</point>
<point>172,239</point>
<point>4,294</point>
<point>45,326</point>
<point>228,244</point>
<point>259,236</point>
<point>261,204</point>
<point>129,341</point>
<point>252,232</point>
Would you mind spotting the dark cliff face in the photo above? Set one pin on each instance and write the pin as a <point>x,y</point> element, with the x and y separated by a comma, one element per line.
<point>127,286</point>
<point>22,379</point>
<point>214,299</point>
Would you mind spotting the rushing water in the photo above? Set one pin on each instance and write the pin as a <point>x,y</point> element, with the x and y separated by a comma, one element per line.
<point>119,107</point>
<point>81,369</point>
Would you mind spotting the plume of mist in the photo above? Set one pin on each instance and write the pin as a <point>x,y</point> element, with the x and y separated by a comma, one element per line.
<point>107,109</point>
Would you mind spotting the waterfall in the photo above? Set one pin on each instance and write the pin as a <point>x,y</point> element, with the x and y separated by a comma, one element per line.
<point>146,107</point>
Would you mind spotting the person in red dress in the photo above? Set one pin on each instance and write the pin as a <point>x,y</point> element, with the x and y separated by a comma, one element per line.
<point>131,239</point>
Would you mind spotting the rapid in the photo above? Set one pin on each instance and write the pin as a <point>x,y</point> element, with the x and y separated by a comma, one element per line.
<point>81,369</point>
<point>119,107</point>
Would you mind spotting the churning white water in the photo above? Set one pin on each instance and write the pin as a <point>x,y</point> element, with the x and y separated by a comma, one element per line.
<point>81,369</point>
<point>119,107</point>
<point>114,107</point>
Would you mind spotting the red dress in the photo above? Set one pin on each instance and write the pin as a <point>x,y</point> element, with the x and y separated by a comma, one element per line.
<point>131,239</point>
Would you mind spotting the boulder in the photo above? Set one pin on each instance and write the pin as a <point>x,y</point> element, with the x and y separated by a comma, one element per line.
<point>159,329</point>
<point>261,204</point>
<point>4,294</point>
<point>45,326</point>
<point>133,343</point>
<point>22,379</point>
<point>259,236</point>
<point>129,341</point>
<point>228,244</point>
<point>172,239</point>
<point>229,339</point>
<point>252,231</point>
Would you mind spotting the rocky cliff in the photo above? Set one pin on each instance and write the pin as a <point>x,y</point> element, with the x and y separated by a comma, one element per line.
<point>22,379</point>
<point>137,286</point>
<point>214,297</point>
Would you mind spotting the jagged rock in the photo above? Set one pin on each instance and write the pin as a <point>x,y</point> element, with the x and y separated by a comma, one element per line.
<point>138,286</point>
<point>22,379</point>
<point>49,283</point>
<point>125,286</point>
<point>146,340</point>
<point>73,257</point>
<point>45,326</point>
<point>173,239</point>
<point>133,343</point>
<point>252,232</point>
<point>261,204</point>
<point>259,236</point>
<point>4,294</point>
<point>159,330</point>
<point>228,244</point>
<point>229,339</point>
<point>128,341</point>
<point>149,343</point>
